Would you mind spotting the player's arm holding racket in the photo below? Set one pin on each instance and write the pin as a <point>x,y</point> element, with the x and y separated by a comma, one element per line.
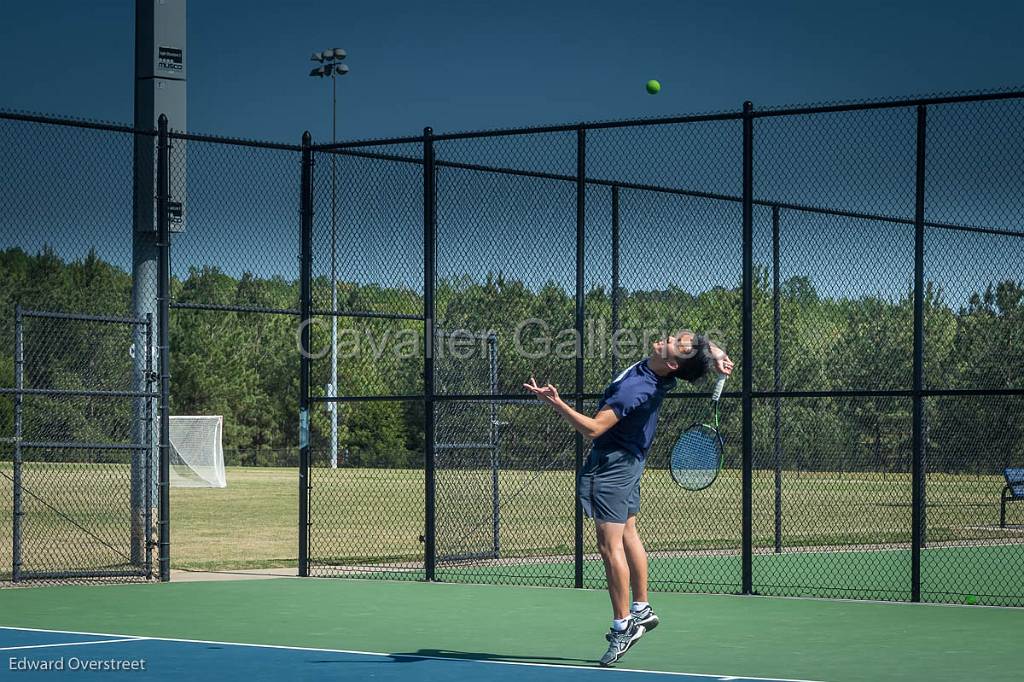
<point>589,427</point>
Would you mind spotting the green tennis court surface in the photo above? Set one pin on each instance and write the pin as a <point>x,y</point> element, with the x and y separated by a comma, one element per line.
<point>979,574</point>
<point>719,636</point>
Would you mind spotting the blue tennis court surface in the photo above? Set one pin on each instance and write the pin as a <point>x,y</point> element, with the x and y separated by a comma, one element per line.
<point>37,654</point>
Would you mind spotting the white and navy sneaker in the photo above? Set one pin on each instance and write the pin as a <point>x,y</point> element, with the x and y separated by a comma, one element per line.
<point>645,617</point>
<point>619,642</point>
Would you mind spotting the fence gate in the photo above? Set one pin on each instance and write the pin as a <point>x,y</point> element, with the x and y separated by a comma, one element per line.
<point>84,399</point>
<point>466,447</point>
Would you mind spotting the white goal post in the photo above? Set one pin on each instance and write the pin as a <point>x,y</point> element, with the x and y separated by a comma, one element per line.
<point>197,453</point>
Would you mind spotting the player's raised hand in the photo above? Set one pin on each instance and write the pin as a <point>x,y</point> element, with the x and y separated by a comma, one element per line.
<point>548,393</point>
<point>723,365</point>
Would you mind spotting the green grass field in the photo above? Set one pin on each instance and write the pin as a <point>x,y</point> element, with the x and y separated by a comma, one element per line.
<point>845,535</point>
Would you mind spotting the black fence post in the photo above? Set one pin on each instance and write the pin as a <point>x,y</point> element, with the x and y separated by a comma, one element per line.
<point>163,296</point>
<point>150,374</point>
<point>918,445</point>
<point>19,385</point>
<point>429,279</point>
<point>581,205</point>
<point>777,378</point>
<point>925,426</point>
<point>748,346</point>
<point>495,434</point>
<point>305,320</point>
<point>615,280</point>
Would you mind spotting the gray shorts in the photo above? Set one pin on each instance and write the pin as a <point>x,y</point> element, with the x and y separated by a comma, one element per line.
<point>609,485</point>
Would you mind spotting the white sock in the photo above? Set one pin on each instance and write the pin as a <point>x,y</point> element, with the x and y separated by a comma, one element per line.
<point>638,606</point>
<point>620,624</point>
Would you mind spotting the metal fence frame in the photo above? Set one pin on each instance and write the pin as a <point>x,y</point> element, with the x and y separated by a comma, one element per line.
<point>747,116</point>
<point>917,392</point>
<point>140,547</point>
<point>159,375</point>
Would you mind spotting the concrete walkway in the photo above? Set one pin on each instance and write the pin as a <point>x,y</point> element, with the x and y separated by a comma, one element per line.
<point>179,576</point>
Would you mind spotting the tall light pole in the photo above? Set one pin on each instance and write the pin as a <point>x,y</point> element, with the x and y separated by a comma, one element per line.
<point>331,65</point>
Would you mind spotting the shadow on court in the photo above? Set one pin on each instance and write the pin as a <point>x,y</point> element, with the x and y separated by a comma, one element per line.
<point>425,654</point>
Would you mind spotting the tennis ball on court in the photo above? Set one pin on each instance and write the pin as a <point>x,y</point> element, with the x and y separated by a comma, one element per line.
<point>653,87</point>
<point>971,599</point>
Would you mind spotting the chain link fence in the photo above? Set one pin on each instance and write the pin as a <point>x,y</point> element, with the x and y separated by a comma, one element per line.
<point>860,262</point>
<point>77,390</point>
<point>848,264</point>
<point>81,485</point>
<point>234,292</point>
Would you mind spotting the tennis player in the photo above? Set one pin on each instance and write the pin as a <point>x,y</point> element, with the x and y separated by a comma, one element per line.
<point>609,484</point>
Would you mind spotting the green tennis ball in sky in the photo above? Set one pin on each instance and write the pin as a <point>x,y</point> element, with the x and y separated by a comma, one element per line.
<point>653,87</point>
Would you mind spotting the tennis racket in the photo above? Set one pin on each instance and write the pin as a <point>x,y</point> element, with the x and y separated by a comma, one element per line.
<point>697,454</point>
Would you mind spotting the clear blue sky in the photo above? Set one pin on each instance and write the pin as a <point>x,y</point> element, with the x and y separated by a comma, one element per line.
<point>463,64</point>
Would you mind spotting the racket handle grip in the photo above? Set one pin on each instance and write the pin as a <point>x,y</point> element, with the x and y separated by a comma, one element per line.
<point>719,385</point>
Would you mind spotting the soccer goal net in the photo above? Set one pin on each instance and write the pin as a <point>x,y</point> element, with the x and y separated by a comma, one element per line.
<point>197,454</point>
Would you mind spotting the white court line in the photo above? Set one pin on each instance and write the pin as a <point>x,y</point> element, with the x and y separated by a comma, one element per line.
<point>46,646</point>
<point>418,656</point>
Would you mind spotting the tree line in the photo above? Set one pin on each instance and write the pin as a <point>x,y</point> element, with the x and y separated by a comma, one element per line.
<point>244,366</point>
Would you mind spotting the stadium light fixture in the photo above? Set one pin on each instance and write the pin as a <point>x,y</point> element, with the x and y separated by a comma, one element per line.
<point>330,66</point>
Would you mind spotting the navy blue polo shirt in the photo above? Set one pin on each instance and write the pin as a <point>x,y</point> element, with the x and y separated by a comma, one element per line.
<point>635,396</point>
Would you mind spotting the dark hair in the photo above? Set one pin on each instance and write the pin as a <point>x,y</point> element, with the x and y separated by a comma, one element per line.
<point>697,363</point>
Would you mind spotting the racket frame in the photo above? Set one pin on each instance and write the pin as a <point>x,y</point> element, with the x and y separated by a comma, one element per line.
<point>721,456</point>
<point>715,397</point>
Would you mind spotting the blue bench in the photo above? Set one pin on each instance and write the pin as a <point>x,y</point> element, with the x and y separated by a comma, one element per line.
<point>1013,491</point>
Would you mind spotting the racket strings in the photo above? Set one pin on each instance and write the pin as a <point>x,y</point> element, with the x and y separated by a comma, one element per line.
<point>696,457</point>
